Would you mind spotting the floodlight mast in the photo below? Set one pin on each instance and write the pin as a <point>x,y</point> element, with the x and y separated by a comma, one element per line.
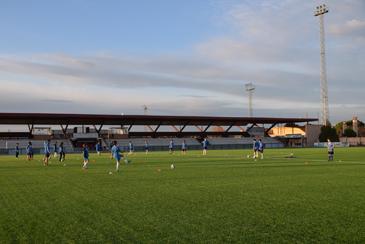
<point>250,88</point>
<point>145,112</point>
<point>145,109</point>
<point>320,11</point>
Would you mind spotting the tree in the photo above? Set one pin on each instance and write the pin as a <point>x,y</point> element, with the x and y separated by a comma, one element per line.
<point>349,133</point>
<point>349,123</point>
<point>339,127</point>
<point>328,132</point>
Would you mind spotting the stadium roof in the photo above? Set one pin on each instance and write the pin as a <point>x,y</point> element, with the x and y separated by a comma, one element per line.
<point>104,119</point>
<point>153,123</point>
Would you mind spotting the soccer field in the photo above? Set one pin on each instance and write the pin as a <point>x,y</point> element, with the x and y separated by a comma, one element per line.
<point>222,197</point>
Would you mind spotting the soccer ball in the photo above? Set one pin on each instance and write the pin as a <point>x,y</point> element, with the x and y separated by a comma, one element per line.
<point>172,166</point>
<point>248,156</point>
<point>110,172</point>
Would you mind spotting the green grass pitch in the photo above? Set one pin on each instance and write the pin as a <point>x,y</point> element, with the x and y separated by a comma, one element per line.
<point>222,197</point>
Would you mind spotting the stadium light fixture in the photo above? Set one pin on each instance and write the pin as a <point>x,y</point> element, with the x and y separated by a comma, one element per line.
<point>321,9</point>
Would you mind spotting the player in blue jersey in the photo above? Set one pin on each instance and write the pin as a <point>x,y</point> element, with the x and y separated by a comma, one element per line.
<point>256,146</point>
<point>47,152</point>
<point>29,151</point>
<point>85,153</point>
<point>17,150</point>
<point>171,146</point>
<point>205,144</point>
<point>116,154</point>
<point>261,148</point>
<point>61,151</point>
<point>146,146</point>
<point>98,148</point>
<point>183,147</point>
<point>55,150</point>
<point>130,147</point>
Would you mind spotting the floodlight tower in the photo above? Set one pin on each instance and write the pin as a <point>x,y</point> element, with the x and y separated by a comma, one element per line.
<point>145,112</point>
<point>250,88</point>
<point>145,109</point>
<point>320,11</point>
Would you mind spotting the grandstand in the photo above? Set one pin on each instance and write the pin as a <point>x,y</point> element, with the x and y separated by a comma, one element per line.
<point>161,129</point>
<point>155,144</point>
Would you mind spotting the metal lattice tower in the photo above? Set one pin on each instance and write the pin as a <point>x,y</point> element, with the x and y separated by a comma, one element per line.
<point>145,109</point>
<point>145,112</point>
<point>250,88</point>
<point>320,11</point>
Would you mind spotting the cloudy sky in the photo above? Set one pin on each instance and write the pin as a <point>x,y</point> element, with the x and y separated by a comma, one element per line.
<point>180,57</point>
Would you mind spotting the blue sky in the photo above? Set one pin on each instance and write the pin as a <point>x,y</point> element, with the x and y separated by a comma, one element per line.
<point>180,57</point>
<point>83,26</point>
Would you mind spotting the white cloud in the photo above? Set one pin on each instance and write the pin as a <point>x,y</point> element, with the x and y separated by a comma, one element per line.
<point>350,27</point>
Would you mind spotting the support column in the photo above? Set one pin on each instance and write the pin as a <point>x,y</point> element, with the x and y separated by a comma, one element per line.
<point>182,128</point>
<point>156,129</point>
<point>98,130</point>
<point>208,126</point>
<point>228,129</point>
<point>64,130</point>
<point>267,131</point>
<point>30,127</point>
<point>200,129</point>
<point>175,128</point>
<point>249,128</point>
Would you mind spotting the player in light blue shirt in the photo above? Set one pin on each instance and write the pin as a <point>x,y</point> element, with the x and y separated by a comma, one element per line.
<point>116,154</point>
<point>98,148</point>
<point>47,152</point>
<point>205,144</point>
<point>146,147</point>
<point>130,147</point>
<point>183,147</point>
<point>171,146</point>
<point>261,148</point>
<point>29,151</point>
<point>330,149</point>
